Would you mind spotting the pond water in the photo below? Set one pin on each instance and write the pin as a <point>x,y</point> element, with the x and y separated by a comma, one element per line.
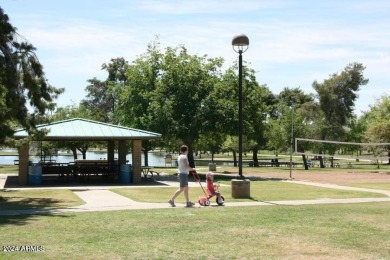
<point>156,159</point>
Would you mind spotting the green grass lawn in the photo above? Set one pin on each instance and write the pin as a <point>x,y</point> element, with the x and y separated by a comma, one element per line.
<point>342,231</point>
<point>9,169</point>
<point>259,191</point>
<point>378,186</point>
<point>358,231</point>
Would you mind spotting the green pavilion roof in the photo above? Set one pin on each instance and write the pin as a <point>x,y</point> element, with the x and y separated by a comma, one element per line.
<point>79,129</point>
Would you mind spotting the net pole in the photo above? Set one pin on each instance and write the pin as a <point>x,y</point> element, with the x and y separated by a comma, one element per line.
<point>292,138</point>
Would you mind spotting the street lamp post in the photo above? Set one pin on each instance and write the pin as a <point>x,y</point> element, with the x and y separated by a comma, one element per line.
<point>240,45</point>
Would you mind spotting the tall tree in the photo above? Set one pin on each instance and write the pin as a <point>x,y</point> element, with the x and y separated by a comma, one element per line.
<point>222,105</point>
<point>295,111</point>
<point>99,100</point>
<point>69,112</point>
<point>116,70</point>
<point>211,142</point>
<point>378,122</point>
<point>258,103</point>
<point>103,96</point>
<point>178,107</point>
<point>116,81</point>
<point>142,77</point>
<point>337,96</point>
<point>22,82</point>
<point>294,96</point>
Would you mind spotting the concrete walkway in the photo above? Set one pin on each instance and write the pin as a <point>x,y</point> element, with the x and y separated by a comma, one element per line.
<point>100,198</point>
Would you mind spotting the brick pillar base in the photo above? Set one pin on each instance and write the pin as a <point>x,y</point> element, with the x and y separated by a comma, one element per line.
<point>23,164</point>
<point>137,148</point>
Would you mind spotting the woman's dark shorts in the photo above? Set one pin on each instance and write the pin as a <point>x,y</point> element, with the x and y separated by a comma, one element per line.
<point>183,179</point>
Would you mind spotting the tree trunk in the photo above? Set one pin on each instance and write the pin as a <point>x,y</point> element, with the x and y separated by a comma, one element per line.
<point>305,162</point>
<point>190,156</point>
<point>234,158</point>
<point>255,158</point>
<point>331,162</point>
<point>321,161</point>
<point>83,151</point>
<point>74,151</point>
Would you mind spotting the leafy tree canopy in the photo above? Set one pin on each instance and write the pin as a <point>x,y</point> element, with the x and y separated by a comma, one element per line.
<point>378,120</point>
<point>25,94</point>
<point>337,96</point>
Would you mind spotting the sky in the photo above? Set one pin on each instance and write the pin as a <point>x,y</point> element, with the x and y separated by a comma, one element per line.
<point>292,42</point>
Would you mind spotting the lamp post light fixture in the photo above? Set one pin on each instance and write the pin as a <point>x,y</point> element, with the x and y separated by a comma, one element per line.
<point>240,45</point>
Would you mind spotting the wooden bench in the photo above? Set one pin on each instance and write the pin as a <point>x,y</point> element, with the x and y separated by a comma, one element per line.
<point>148,172</point>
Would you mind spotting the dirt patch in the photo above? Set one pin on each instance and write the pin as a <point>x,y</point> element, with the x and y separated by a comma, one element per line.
<point>336,177</point>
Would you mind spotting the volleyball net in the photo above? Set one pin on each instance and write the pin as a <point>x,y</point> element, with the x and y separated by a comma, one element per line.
<point>342,150</point>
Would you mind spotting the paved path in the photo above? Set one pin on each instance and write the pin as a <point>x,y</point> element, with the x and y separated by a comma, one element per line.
<point>100,198</point>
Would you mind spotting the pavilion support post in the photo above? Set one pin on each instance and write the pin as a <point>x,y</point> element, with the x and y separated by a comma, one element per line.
<point>137,151</point>
<point>122,152</point>
<point>110,151</point>
<point>23,164</point>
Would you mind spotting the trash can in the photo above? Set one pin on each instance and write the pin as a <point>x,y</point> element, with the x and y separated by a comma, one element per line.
<point>241,188</point>
<point>212,166</point>
<point>125,173</point>
<point>168,160</point>
<point>35,175</point>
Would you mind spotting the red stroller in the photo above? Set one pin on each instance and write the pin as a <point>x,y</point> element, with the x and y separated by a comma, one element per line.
<point>211,191</point>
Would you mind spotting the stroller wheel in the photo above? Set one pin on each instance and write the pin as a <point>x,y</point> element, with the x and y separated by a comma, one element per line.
<point>207,203</point>
<point>220,201</point>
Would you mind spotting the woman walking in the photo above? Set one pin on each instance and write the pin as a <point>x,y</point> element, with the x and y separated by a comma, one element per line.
<point>183,171</point>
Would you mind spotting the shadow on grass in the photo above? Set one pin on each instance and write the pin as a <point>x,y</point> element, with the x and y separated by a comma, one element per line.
<point>263,201</point>
<point>25,219</point>
<point>14,202</point>
<point>16,210</point>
